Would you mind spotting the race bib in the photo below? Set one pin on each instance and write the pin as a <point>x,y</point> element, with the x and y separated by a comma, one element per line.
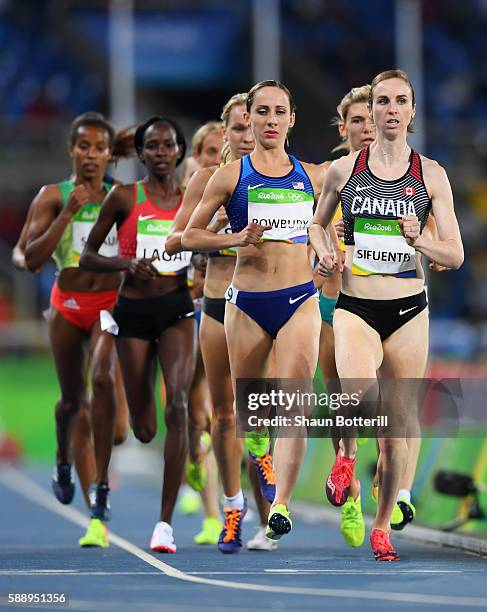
<point>288,211</point>
<point>83,221</point>
<point>151,239</point>
<point>380,248</point>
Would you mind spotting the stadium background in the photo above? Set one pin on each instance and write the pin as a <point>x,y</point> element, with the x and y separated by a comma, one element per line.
<point>57,60</point>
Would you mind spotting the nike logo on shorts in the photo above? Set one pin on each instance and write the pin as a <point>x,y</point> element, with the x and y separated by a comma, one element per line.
<point>357,188</point>
<point>403,312</point>
<point>292,301</point>
<point>145,217</point>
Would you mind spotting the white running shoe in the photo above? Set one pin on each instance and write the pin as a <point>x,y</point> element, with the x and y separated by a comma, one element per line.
<point>162,539</point>
<point>261,541</point>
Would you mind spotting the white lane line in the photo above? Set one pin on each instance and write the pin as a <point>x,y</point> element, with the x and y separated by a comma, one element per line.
<point>26,487</point>
<point>351,572</point>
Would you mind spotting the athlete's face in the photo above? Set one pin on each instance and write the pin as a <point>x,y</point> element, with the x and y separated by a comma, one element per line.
<point>238,133</point>
<point>161,151</point>
<point>91,151</point>
<point>211,150</point>
<point>358,127</point>
<point>392,107</point>
<point>271,117</point>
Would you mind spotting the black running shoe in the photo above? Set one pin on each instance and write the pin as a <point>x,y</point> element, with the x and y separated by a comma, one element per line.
<point>99,502</point>
<point>63,483</point>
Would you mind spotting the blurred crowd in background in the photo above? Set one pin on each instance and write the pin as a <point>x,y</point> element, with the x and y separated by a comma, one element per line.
<point>191,56</point>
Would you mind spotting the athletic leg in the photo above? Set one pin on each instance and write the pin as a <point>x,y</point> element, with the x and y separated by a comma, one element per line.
<point>177,356</point>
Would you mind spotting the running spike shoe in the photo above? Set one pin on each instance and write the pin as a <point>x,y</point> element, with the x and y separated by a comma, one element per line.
<point>63,483</point>
<point>162,539</point>
<point>99,501</point>
<point>397,516</point>
<point>339,480</point>
<point>96,535</point>
<point>352,524</point>
<point>210,532</point>
<point>230,540</point>
<point>382,547</point>
<point>408,512</point>
<point>196,475</point>
<point>267,477</point>
<point>261,542</point>
<point>257,442</point>
<point>279,522</point>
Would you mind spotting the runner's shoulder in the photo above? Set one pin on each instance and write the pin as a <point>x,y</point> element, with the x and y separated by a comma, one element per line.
<point>341,169</point>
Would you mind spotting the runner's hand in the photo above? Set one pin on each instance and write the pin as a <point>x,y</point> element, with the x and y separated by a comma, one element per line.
<point>327,264</point>
<point>410,228</point>
<point>252,234</point>
<point>143,268</point>
<point>78,198</point>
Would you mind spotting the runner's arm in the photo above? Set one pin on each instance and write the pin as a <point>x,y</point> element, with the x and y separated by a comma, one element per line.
<point>193,194</point>
<point>447,250</point>
<point>113,210</point>
<point>197,237</point>
<point>49,220</point>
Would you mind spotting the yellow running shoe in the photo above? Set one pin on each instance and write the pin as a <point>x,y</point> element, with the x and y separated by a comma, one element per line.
<point>397,516</point>
<point>279,522</point>
<point>96,535</point>
<point>210,532</point>
<point>352,524</point>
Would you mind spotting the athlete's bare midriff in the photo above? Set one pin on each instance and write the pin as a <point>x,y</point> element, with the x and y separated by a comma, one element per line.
<point>271,266</point>
<point>219,275</point>
<point>380,286</point>
<point>82,281</point>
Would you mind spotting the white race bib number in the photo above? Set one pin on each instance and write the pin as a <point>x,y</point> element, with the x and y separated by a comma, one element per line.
<point>288,211</point>
<point>83,221</point>
<point>380,248</point>
<point>151,239</point>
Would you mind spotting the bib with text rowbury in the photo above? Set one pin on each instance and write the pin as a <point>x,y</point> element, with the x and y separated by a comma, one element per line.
<point>283,202</point>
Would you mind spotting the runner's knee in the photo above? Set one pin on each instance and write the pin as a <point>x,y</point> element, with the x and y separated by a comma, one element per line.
<point>176,414</point>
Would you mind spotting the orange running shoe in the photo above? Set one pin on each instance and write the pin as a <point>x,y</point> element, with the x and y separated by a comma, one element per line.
<point>230,540</point>
<point>382,547</point>
<point>267,477</point>
<point>339,480</point>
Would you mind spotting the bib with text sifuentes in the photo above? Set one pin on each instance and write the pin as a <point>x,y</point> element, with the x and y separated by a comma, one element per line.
<point>83,221</point>
<point>151,240</point>
<point>380,248</point>
<point>288,211</point>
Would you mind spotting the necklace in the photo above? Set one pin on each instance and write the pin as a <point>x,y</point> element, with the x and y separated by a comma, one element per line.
<point>406,147</point>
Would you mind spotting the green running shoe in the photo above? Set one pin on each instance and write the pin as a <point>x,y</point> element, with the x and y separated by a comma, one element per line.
<point>408,512</point>
<point>352,524</point>
<point>210,532</point>
<point>257,442</point>
<point>397,515</point>
<point>96,535</point>
<point>196,475</point>
<point>279,522</point>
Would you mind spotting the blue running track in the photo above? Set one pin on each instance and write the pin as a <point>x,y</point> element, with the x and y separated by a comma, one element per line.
<point>313,569</point>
